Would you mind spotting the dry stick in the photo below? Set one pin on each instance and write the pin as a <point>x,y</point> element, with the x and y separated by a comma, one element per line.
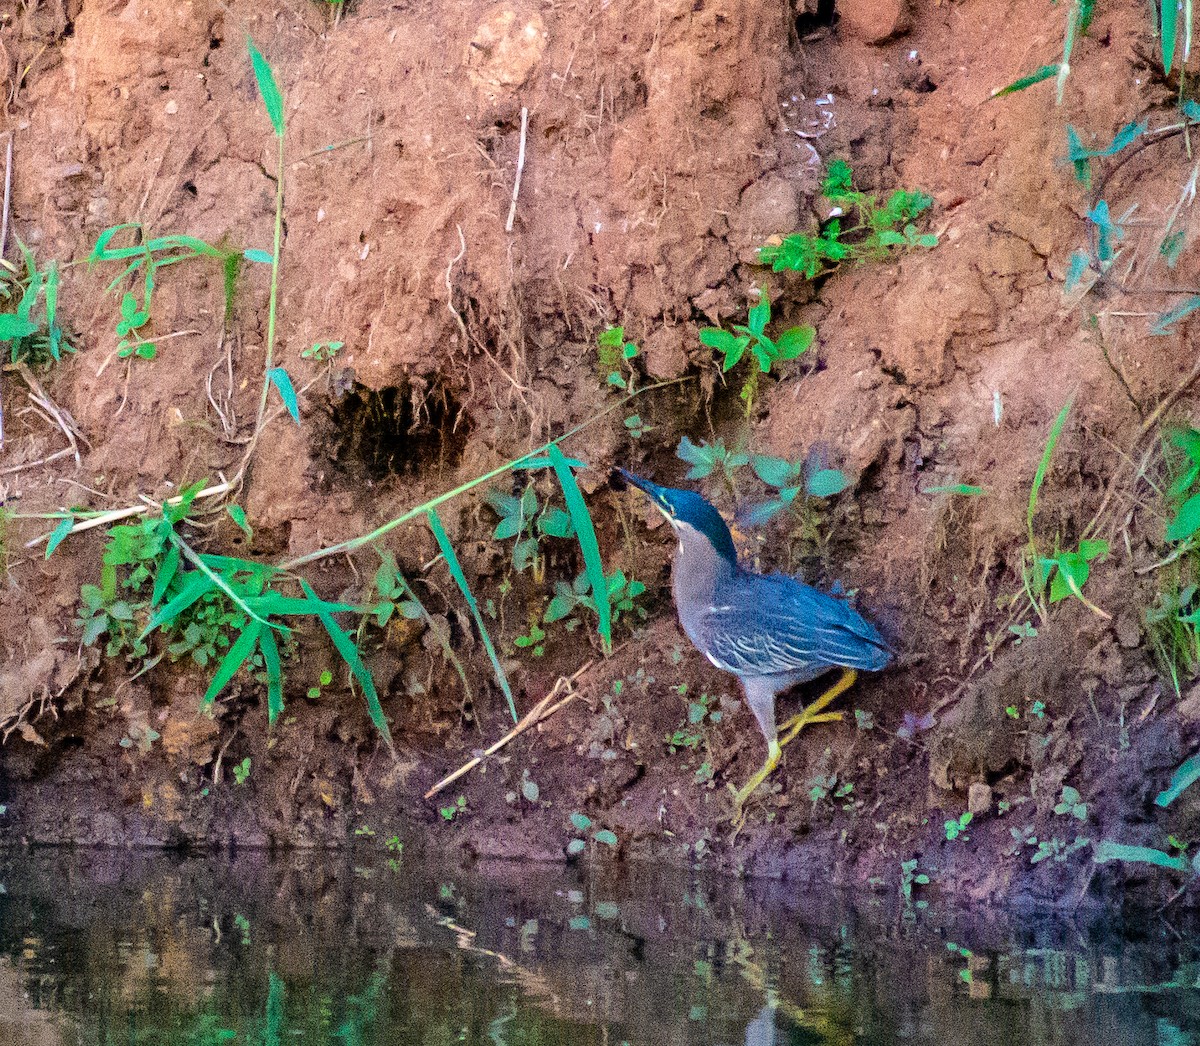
<point>539,712</point>
<point>7,195</point>
<point>512,211</point>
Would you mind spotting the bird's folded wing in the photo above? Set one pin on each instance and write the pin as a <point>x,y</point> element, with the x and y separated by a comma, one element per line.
<point>766,640</point>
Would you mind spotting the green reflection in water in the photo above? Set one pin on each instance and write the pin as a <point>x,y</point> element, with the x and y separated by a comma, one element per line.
<point>112,948</point>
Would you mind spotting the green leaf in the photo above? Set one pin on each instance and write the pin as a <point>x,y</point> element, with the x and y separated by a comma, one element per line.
<point>1186,774</point>
<point>825,483</point>
<point>795,341</point>
<point>1043,466</point>
<point>760,316</point>
<point>530,790</point>
<point>576,847</point>
<point>166,574</point>
<point>255,255</point>
<point>267,87</point>
<point>195,585</point>
<point>237,655</point>
<point>270,653</point>
<point>1044,73</point>
<point>585,532</point>
<point>775,472</point>
<point>281,381</point>
<point>238,515</point>
<point>59,534</point>
<point>349,654</point>
<point>718,339</point>
<point>1109,851</point>
<point>1166,320</point>
<point>12,327</point>
<point>460,579</point>
<point>581,822</point>
<point>1170,11</point>
<point>555,523</point>
<point>1187,521</point>
<point>606,837</point>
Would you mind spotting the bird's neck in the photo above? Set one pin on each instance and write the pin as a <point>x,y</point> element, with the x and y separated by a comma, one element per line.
<point>699,570</point>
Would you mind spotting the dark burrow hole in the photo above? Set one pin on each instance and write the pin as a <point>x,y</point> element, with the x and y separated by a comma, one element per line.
<point>822,18</point>
<point>399,430</point>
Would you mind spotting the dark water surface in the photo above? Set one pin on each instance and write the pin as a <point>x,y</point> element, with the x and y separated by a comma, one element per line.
<point>108,947</point>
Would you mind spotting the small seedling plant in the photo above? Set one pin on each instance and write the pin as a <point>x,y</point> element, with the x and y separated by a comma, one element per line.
<point>582,824</point>
<point>525,522</point>
<point>861,228</point>
<point>1066,572</point>
<point>957,827</point>
<point>751,336</point>
<point>34,335</point>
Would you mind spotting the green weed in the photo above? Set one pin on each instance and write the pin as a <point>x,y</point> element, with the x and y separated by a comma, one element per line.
<point>690,733</point>
<point>1067,570</point>
<point>454,809</point>
<point>872,229</point>
<point>322,351</point>
<point>910,877</point>
<point>34,335</point>
<point>582,823</point>
<point>1079,18</point>
<point>241,771</point>
<point>767,352</point>
<point>526,522</point>
<point>957,828</point>
<point>703,459</point>
<point>1071,803</point>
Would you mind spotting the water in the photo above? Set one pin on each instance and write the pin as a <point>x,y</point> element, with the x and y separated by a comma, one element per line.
<point>113,948</point>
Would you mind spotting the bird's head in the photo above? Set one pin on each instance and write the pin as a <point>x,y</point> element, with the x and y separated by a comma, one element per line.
<point>688,513</point>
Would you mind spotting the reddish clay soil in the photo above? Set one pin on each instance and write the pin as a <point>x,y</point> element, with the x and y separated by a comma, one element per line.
<point>666,141</point>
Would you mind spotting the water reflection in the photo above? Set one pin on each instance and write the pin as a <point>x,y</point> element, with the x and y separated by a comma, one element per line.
<point>107,948</point>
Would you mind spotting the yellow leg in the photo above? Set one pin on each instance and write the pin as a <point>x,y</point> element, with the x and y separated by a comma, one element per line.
<point>814,712</point>
<point>747,790</point>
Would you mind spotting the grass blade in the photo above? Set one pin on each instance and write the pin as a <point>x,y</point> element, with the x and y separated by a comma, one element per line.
<point>270,653</point>
<point>460,579</point>
<point>1109,851</point>
<point>268,87</point>
<point>349,653</point>
<point>593,565</point>
<point>242,648</point>
<point>1186,774</point>
<point>280,379</point>
<point>1044,465</point>
<point>59,535</point>
<point>166,574</point>
<point>194,586</point>
<point>1044,73</point>
<point>1170,10</point>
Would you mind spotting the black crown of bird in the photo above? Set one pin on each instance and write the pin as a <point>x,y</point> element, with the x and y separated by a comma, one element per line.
<point>772,631</point>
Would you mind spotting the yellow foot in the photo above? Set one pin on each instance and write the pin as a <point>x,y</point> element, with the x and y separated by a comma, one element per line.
<point>740,795</point>
<point>815,713</point>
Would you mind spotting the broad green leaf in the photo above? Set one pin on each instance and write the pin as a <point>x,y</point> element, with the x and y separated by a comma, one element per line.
<point>1186,774</point>
<point>1109,851</point>
<point>1079,265</point>
<point>236,656</point>
<point>760,316</point>
<point>576,847</point>
<point>826,482</point>
<point>14,327</point>
<point>349,653</point>
<point>281,381</point>
<point>255,255</point>
<point>734,356</point>
<point>774,471</point>
<point>1092,548</point>
<point>270,653</point>
<point>762,513</point>
<point>606,837</point>
<point>59,534</point>
<point>716,338</point>
<point>530,790</point>
<point>460,579</point>
<point>1187,521</point>
<point>555,523</point>
<point>267,87</point>
<point>585,532</point>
